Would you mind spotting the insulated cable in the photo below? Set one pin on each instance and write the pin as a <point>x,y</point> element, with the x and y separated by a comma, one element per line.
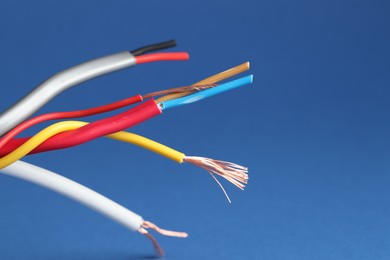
<point>117,123</point>
<point>234,173</point>
<point>65,115</point>
<point>91,111</point>
<point>71,77</point>
<point>58,183</point>
<point>88,198</point>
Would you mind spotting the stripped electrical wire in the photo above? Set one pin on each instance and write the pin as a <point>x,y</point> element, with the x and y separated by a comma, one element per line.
<point>65,134</point>
<point>71,133</point>
<point>234,173</point>
<point>89,198</point>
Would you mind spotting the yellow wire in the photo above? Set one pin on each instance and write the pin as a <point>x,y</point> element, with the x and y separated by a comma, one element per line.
<point>210,80</point>
<point>60,127</point>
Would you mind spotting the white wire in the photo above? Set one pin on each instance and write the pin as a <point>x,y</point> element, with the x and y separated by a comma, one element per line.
<point>75,191</point>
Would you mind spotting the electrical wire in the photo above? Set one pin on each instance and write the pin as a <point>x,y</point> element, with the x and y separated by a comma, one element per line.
<point>210,80</point>
<point>207,93</point>
<point>234,173</point>
<point>65,115</point>
<point>154,47</point>
<point>91,111</point>
<point>60,127</point>
<point>40,96</point>
<point>117,123</point>
<point>88,198</point>
<point>60,82</point>
<point>93,130</point>
<point>71,77</point>
<point>162,57</point>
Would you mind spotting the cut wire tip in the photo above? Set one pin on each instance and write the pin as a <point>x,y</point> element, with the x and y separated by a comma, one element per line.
<point>234,173</point>
<point>157,248</point>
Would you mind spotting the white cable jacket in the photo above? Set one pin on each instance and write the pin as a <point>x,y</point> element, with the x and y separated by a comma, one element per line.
<point>60,82</point>
<point>75,191</point>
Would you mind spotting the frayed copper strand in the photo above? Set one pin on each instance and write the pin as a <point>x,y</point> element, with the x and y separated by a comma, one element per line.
<point>157,248</point>
<point>234,173</point>
<point>148,224</point>
<point>178,90</point>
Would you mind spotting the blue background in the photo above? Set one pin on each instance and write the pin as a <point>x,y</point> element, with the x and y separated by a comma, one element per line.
<point>313,129</point>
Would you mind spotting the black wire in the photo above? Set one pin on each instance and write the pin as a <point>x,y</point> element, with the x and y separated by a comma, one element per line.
<point>153,47</point>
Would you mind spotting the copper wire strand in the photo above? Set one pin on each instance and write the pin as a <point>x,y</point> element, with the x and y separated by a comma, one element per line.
<point>148,224</point>
<point>220,185</point>
<point>179,90</point>
<point>157,248</point>
<point>210,80</point>
<point>234,173</point>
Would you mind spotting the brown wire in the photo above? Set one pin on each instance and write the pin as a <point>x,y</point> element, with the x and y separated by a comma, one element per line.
<point>210,80</point>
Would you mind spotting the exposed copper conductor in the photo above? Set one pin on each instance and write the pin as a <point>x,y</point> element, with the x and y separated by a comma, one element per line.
<point>234,173</point>
<point>179,90</point>
<point>157,248</point>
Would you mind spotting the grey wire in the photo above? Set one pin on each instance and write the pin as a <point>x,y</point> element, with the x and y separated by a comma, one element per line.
<point>60,82</point>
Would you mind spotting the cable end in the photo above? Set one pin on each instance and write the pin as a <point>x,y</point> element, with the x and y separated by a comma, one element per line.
<point>250,79</point>
<point>248,65</point>
<point>234,173</point>
<point>157,248</point>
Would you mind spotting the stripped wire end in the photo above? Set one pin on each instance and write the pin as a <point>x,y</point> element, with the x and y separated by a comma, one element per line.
<point>157,248</point>
<point>234,173</point>
<point>179,90</point>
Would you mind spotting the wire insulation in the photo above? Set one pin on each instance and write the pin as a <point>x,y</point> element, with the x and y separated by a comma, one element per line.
<point>164,56</point>
<point>154,47</point>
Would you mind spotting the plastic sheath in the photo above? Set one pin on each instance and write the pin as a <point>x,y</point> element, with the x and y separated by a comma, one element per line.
<point>149,145</point>
<point>207,93</point>
<point>91,131</point>
<point>75,191</point>
<point>64,115</point>
<point>165,56</point>
<point>154,47</point>
<point>61,82</point>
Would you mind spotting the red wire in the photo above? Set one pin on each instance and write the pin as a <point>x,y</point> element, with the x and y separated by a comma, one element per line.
<point>91,131</point>
<point>162,56</point>
<point>63,115</point>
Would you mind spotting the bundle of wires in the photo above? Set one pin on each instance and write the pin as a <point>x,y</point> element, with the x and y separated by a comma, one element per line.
<point>67,134</point>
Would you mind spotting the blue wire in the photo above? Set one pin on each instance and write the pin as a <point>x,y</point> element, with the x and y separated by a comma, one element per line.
<point>207,93</point>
